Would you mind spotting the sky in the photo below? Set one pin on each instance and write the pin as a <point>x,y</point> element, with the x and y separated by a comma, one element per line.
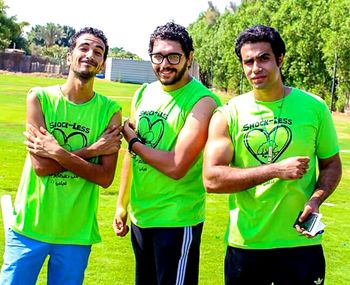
<point>126,23</point>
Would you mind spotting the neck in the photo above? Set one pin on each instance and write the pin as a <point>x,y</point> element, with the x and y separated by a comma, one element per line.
<point>77,90</point>
<point>273,94</point>
<point>182,82</point>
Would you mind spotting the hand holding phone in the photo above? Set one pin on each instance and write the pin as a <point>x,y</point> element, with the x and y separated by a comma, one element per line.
<point>312,225</point>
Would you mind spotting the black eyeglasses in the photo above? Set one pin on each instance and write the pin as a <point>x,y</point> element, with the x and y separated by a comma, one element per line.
<point>173,58</point>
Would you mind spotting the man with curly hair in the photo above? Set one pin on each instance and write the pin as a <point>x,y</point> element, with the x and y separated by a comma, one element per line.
<point>162,174</point>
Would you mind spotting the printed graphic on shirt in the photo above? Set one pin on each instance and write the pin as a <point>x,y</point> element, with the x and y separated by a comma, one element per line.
<point>151,130</point>
<point>67,141</point>
<point>257,140</point>
<point>70,141</point>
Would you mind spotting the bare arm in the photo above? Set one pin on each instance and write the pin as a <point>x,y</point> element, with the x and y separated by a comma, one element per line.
<point>219,177</point>
<point>121,214</point>
<point>189,144</point>
<point>330,171</point>
<point>108,143</point>
<point>41,165</point>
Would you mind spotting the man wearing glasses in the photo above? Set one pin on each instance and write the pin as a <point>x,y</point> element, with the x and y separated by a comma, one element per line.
<point>162,175</point>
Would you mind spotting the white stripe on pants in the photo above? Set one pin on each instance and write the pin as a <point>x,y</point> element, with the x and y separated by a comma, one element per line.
<point>186,244</point>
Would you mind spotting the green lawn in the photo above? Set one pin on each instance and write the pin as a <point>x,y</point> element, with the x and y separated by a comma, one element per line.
<point>112,261</point>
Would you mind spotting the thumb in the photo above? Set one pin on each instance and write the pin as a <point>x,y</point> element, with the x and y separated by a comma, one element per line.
<point>307,211</point>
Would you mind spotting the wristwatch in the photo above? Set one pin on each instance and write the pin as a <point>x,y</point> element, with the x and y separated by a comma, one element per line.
<point>132,142</point>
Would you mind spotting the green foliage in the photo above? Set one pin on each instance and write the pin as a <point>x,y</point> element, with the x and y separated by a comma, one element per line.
<point>68,32</point>
<point>312,30</point>
<point>9,28</point>
<point>56,53</point>
<point>48,35</point>
<point>121,53</point>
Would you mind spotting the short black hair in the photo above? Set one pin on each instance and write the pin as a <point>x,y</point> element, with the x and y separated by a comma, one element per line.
<point>261,33</point>
<point>173,32</point>
<point>92,31</point>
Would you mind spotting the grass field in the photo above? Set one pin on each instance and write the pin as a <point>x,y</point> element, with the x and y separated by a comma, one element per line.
<point>112,261</point>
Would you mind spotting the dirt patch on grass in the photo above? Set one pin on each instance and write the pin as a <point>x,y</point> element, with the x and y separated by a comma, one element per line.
<point>344,117</point>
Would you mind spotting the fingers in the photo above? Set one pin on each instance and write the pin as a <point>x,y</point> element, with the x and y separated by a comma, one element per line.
<point>110,129</point>
<point>29,136</point>
<point>122,231</point>
<point>128,124</point>
<point>120,228</point>
<point>44,131</point>
<point>32,130</point>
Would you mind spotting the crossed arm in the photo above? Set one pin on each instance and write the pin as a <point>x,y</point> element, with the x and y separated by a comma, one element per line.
<point>48,157</point>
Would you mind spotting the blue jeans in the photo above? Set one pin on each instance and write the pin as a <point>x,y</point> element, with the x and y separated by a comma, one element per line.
<point>24,257</point>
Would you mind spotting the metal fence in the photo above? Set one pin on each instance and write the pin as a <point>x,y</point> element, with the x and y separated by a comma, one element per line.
<point>18,62</point>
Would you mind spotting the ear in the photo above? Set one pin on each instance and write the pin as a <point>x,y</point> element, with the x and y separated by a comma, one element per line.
<point>69,59</point>
<point>189,60</point>
<point>280,61</point>
<point>102,67</point>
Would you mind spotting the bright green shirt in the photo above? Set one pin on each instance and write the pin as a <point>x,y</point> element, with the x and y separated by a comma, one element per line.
<point>262,217</point>
<point>62,208</point>
<point>157,200</point>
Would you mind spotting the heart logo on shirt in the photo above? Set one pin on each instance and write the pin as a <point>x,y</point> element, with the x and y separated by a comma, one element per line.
<point>150,132</point>
<point>76,139</point>
<point>282,134</point>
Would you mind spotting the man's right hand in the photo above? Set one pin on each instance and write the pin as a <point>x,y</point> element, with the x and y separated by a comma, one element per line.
<point>292,167</point>
<point>109,142</point>
<point>119,224</point>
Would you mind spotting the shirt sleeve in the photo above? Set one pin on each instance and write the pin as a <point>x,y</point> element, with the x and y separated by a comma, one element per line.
<point>326,142</point>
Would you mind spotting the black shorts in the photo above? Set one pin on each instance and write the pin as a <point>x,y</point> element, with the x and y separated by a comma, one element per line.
<point>284,266</point>
<point>166,256</point>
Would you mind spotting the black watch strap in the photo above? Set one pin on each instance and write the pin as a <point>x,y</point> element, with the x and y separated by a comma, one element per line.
<point>131,143</point>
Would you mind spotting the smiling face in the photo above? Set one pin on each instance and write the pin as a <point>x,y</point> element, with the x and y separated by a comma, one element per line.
<point>173,76</point>
<point>260,66</point>
<point>86,59</point>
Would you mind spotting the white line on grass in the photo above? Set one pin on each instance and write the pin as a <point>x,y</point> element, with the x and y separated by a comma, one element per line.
<point>328,204</point>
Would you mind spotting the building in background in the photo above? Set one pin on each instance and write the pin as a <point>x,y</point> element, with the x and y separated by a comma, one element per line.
<point>135,71</point>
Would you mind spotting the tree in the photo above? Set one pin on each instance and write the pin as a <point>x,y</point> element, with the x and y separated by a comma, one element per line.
<point>121,53</point>
<point>312,30</point>
<point>9,29</point>
<point>48,35</point>
<point>68,32</point>
<point>51,33</point>
<point>337,42</point>
<point>212,14</point>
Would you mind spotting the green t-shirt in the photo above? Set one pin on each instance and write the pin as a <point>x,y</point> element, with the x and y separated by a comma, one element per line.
<point>157,200</point>
<point>262,217</point>
<point>62,208</point>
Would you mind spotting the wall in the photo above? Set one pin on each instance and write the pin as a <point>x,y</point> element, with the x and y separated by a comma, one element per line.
<point>128,70</point>
<point>135,71</point>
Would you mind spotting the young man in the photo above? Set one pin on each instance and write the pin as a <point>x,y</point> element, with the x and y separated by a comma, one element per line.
<point>263,148</point>
<point>73,138</point>
<point>166,135</point>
